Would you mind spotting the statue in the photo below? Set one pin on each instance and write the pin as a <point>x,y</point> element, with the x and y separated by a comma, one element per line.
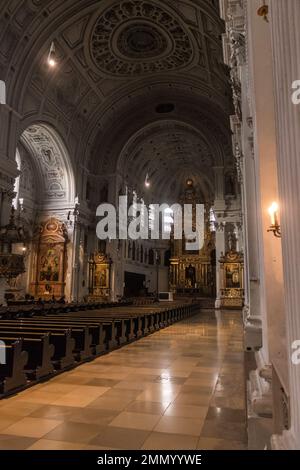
<point>232,241</point>
<point>238,50</point>
<point>190,276</point>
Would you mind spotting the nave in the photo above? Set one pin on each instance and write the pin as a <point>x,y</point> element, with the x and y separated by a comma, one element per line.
<point>179,388</point>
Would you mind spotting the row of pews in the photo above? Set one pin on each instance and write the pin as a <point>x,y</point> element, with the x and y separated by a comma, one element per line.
<point>36,345</point>
<point>20,310</point>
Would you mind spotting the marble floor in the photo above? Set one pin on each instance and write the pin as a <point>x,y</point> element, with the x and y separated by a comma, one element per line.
<point>180,388</point>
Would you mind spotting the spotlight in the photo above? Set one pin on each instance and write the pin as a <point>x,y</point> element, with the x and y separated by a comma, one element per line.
<point>52,56</point>
<point>147,181</point>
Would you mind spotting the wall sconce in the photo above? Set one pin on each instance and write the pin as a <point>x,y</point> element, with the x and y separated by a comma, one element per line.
<point>263,11</point>
<point>275,226</point>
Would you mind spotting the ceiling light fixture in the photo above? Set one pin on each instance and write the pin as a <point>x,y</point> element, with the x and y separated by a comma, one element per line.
<point>147,181</point>
<point>52,57</point>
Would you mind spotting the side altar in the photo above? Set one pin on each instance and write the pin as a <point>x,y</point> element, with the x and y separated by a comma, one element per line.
<point>232,278</point>
<point>99,277</point>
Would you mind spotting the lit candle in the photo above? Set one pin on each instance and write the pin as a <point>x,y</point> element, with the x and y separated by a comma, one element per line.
<point>273,210</point>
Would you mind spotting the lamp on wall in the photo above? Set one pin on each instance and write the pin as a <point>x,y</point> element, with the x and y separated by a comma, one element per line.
<point>263,11</point>
<point>275,226</point>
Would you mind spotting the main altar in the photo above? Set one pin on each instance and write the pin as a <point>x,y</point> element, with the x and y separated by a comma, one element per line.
<point>193,272</point>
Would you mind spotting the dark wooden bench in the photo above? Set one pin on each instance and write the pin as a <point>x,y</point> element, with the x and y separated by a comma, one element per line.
<point>12,375</point>
<point>39,350</point>
<point>102,333</point>
<point>62,341</point>
<point>80,334</point>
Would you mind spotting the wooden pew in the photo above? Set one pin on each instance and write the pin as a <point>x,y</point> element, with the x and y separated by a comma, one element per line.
<point>130,324</point>
<point>103,333</point>
<point>62,341</point>
<point>12,375</point>
<point>80,334</point>
<point>39,350</point>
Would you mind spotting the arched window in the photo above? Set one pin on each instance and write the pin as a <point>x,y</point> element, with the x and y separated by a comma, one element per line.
<point>167,258</point>
<point>17,181</point>
<point>151,256</point>
<point>212,220</point>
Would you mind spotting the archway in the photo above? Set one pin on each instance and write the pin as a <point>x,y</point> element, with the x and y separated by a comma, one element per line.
<point>45,191</point>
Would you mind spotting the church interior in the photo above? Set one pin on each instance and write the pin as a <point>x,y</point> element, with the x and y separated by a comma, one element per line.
<point>129,343</point>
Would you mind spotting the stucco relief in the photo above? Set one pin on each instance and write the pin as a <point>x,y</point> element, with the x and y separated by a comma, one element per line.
<point>49,161</point>
<point>137,38</point>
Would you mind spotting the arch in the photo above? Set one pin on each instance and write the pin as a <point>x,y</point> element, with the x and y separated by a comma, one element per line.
<point>52,162</point>
<point>167,257</point>
<point>178,149</point>
<point>151,257</point>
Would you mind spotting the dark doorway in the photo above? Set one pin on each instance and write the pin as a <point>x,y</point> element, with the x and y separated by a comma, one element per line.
<point>134,284</point>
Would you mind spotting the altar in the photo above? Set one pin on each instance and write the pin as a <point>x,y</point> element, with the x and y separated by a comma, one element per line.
<point>193,272</point>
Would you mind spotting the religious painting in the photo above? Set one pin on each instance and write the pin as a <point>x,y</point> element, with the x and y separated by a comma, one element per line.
<point>50,265</point>
<point>232,275</point>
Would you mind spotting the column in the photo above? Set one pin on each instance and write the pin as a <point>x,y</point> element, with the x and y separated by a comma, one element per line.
<point>252,312</point>
<point>9,124</point>
<point>219,186</point>
<point>284,25</point>
<point>271,359</point>
<point>220,250</point>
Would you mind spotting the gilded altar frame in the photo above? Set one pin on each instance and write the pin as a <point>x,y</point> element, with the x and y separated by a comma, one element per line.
<point>99,277</point>
<point>50,260</point>
<point>232,279</point>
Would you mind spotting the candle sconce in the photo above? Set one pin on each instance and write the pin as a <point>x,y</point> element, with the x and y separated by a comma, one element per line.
<point>263,12</point>
<point>275,226</point>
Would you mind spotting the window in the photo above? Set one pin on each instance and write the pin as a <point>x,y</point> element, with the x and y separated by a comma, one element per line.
<point>17,181</point>
<point>212,220</point>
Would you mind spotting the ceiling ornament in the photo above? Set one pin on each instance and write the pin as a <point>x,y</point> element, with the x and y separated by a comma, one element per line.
<point>139,38</point>
<point>49,161</point>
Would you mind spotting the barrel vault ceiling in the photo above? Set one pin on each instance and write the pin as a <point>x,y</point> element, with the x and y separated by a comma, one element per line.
<point>125,68</point>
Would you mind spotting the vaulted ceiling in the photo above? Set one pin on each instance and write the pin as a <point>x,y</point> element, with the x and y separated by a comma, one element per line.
<point>141,78</point>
